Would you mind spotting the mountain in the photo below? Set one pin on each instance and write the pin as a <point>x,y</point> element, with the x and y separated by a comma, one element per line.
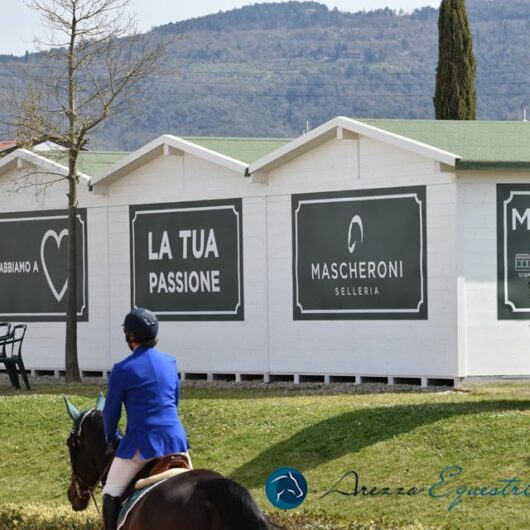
<point>268,69</point>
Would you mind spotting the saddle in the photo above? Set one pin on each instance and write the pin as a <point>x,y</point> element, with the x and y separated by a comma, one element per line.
<point>157,470</point>
<point>154,471</point>
<point>165,467</point>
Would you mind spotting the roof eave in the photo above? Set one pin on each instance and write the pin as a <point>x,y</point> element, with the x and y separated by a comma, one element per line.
<point>403,142</point>
<point>156,148</point>
<point>492,165</point>
<point>7,163</point>
<point>45,164</point>
<point>329,129</point>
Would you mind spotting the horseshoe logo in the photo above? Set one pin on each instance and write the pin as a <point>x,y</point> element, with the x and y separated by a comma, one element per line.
<point>356,221</point>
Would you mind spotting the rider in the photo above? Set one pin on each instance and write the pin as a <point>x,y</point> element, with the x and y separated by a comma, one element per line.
<point>146,382</point>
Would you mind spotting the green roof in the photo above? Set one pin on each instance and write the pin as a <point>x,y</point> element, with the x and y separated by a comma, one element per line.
<point>244,149</point>
<point>89,162</point>
<point>94,162</point>
<point>480,144</point>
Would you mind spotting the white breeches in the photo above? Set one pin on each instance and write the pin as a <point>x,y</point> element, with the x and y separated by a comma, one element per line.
<point>122,471</point>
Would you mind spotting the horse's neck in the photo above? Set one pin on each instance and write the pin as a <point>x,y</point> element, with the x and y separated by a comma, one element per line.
<point>98,450</point>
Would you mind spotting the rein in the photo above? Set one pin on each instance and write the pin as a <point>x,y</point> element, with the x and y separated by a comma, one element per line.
<point>83,489</point>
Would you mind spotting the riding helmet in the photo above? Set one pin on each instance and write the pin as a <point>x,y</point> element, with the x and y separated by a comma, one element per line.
<point>141,323</point>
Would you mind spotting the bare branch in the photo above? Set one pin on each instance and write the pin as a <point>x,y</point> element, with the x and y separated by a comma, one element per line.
<point>95,57</point>
<point>38,181</point>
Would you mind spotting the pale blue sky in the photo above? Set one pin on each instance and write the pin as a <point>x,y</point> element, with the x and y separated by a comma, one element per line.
<point>19,25</point>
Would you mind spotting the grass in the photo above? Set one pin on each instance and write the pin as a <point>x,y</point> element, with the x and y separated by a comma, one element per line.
<point>390,440</point>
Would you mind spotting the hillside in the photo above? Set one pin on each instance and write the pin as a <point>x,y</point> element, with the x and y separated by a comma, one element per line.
<point>267,69</point>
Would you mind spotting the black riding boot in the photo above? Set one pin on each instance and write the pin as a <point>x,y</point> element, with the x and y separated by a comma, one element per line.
<point>111,510</point>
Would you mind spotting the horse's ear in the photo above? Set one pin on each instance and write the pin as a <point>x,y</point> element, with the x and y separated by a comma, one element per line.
<point>100,402</point>
<point>70,408</point>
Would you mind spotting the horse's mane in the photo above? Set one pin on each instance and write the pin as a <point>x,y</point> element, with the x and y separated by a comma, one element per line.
<point>234,504</point>
<point>90,420</point>
<point>92,417</point>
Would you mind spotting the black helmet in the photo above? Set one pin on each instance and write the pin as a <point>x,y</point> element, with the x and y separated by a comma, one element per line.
<point>141,323</point>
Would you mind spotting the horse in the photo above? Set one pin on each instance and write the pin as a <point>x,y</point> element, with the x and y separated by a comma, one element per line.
<point>199,499</point>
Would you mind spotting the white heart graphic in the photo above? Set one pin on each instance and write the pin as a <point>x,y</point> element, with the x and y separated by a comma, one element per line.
<point>58,238</point>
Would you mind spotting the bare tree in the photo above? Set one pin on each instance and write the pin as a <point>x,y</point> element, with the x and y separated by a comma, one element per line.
<point>95,57</point>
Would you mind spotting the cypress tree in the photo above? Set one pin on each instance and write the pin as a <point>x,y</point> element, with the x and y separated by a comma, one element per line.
<point>455,97</point>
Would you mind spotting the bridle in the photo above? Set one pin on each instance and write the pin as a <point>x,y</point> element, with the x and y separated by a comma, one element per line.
<point>82,489</point>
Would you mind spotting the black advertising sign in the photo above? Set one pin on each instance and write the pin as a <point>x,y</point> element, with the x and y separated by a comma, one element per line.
<point>360,254</point>
<point>33,266</point>
<point>187,259</point>
<point>513,251</point>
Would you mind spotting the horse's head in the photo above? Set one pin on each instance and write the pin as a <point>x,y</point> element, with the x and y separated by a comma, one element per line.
<point>86,444</point>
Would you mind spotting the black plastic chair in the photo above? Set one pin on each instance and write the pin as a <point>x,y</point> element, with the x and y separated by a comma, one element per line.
<point>5,329</point>
<point>11,355</point>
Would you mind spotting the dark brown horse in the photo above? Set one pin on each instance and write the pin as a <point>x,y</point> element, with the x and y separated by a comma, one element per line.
<point>196,500</point>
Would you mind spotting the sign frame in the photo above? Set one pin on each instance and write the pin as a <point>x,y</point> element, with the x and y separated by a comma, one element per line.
<point>508,309</point>
<point>231,204</point>
<point>25,216</point>
<point>417,193</point>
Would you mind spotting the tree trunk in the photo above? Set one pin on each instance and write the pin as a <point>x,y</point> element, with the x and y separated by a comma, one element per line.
<point>72,374</point>
<point>104,58</point>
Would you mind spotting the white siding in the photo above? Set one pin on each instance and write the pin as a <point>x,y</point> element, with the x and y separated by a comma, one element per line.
<point>269,340</point>
<point>493,347</point>
<point>371,348</point>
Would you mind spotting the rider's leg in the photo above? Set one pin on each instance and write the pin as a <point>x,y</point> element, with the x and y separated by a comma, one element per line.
<point>111,511</point>
<point>121,472</point>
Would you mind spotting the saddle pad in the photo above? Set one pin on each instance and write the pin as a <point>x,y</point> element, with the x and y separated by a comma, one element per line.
<point>153,479</point>
<point>131,501</point>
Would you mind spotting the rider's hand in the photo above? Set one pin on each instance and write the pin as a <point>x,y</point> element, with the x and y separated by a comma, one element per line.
<point>113,444</point>
<point>111,447</point>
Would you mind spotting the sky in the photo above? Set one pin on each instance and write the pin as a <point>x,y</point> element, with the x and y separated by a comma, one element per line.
<point>19,24</point>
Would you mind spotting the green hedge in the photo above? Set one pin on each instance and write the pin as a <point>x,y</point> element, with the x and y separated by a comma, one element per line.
<point>47,517</point>
<point>322,521</point>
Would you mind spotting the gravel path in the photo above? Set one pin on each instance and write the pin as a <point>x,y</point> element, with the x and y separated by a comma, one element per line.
<point>276,387</point>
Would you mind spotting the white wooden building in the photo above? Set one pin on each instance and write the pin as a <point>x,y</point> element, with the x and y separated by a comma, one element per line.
<point>361,251</point>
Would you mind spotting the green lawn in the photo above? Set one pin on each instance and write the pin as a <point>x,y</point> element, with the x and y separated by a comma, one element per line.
<point>391,441</point>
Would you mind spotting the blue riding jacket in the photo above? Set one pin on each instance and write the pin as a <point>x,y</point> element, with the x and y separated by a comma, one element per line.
<point>147,384</point>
